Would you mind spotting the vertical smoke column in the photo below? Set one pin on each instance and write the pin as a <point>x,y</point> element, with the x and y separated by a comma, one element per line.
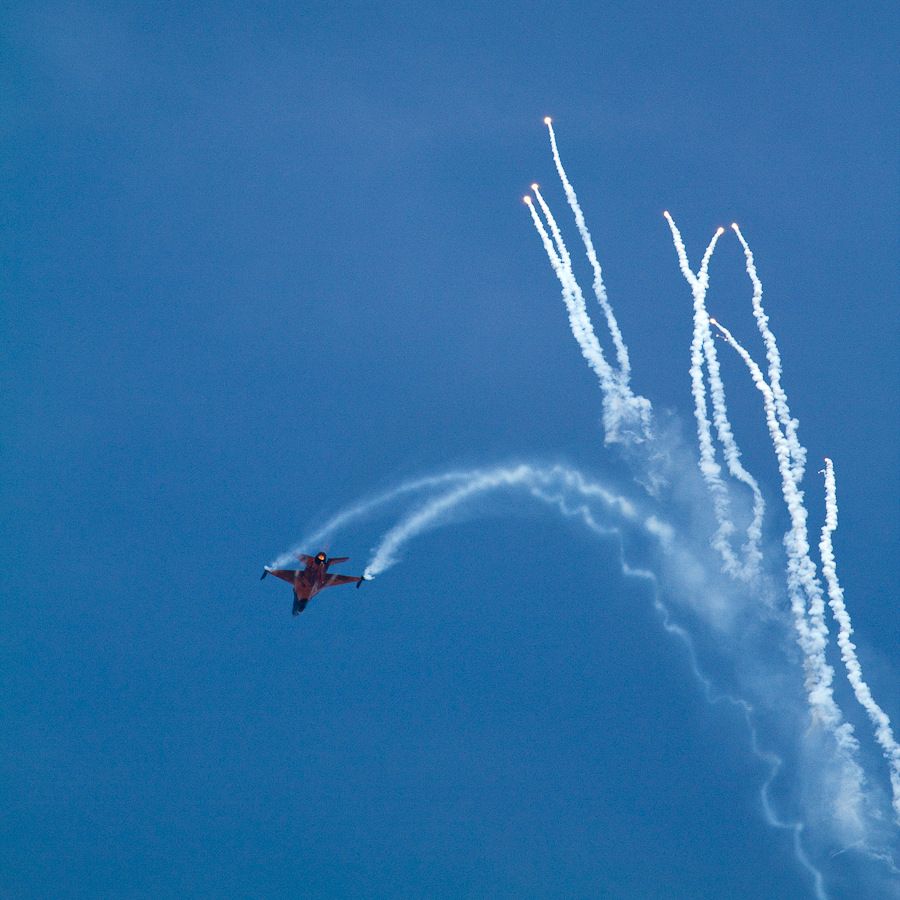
<point>812,632</point>
<point>604,372</point>
<point>882,724</point>
<point>703,348</point>
<point>599,287</point>
<point>578,320</point>
<point>798,452</point>
<point>626,416</point>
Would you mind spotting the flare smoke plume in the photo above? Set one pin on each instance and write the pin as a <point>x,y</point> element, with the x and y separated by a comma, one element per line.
<point>850,799</point>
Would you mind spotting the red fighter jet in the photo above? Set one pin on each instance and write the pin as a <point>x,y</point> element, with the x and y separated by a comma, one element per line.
<point>314,578</point>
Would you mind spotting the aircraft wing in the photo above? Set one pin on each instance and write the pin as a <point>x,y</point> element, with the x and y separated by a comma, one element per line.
<point>334,580</point>
<point>283,574</point>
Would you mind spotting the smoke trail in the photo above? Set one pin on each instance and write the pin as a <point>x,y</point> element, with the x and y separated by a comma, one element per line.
<point>535,480</point>
<point>579,321</point>
<point>882,724</point>
<point>772,760</point>
<point>361,509</point>
<point>626,417</point>
<point>511,476</point>
<point>560,244</point>
<point>581,306</point>
<point>709,468</point>
<point>790,425</point>
<point>703,348</point>
<point>812,631</point>
<point>574,496</point>
<point>599,287</point>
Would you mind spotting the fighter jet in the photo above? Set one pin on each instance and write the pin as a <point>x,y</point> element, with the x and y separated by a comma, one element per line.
<point>314,578</point>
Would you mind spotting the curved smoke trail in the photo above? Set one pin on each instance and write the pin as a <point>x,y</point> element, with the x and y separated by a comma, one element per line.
<point>605,513</point>
<point>362,509</point>
<point>532,479</point>
<point>627,421</point>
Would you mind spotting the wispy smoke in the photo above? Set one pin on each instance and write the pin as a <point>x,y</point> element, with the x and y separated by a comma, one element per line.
<point>723,597</point>
<point>789,424</point>
<point>537,481</point>
<point>599,287</point>
<point>580,323</point>
<point>882,724</point>
<point>703,350</point>
<point>626,415</point>
<point>806,599</point>
<point>361,510</point>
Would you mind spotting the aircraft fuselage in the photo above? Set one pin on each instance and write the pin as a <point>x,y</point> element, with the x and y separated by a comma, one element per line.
<point>308,581</point>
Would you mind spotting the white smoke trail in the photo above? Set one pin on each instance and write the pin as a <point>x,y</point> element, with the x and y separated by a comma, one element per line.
<point>703,348</point>
<point>612,380</point>
<point>812,631</point>
<point>564,254</point>
<point>709,468</point>
<point>772,760</point>
<point>626,417</point>
<point>473,482</point>
<point>533,479</point>
<point>579,322</point>
<point>575,496</point>
<point>599,287</point>
<point>880,721</point>
<point>314,540</point>
<point>773,356</point>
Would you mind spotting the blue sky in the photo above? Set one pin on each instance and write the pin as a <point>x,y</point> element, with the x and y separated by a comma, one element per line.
<point>261,261</point>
